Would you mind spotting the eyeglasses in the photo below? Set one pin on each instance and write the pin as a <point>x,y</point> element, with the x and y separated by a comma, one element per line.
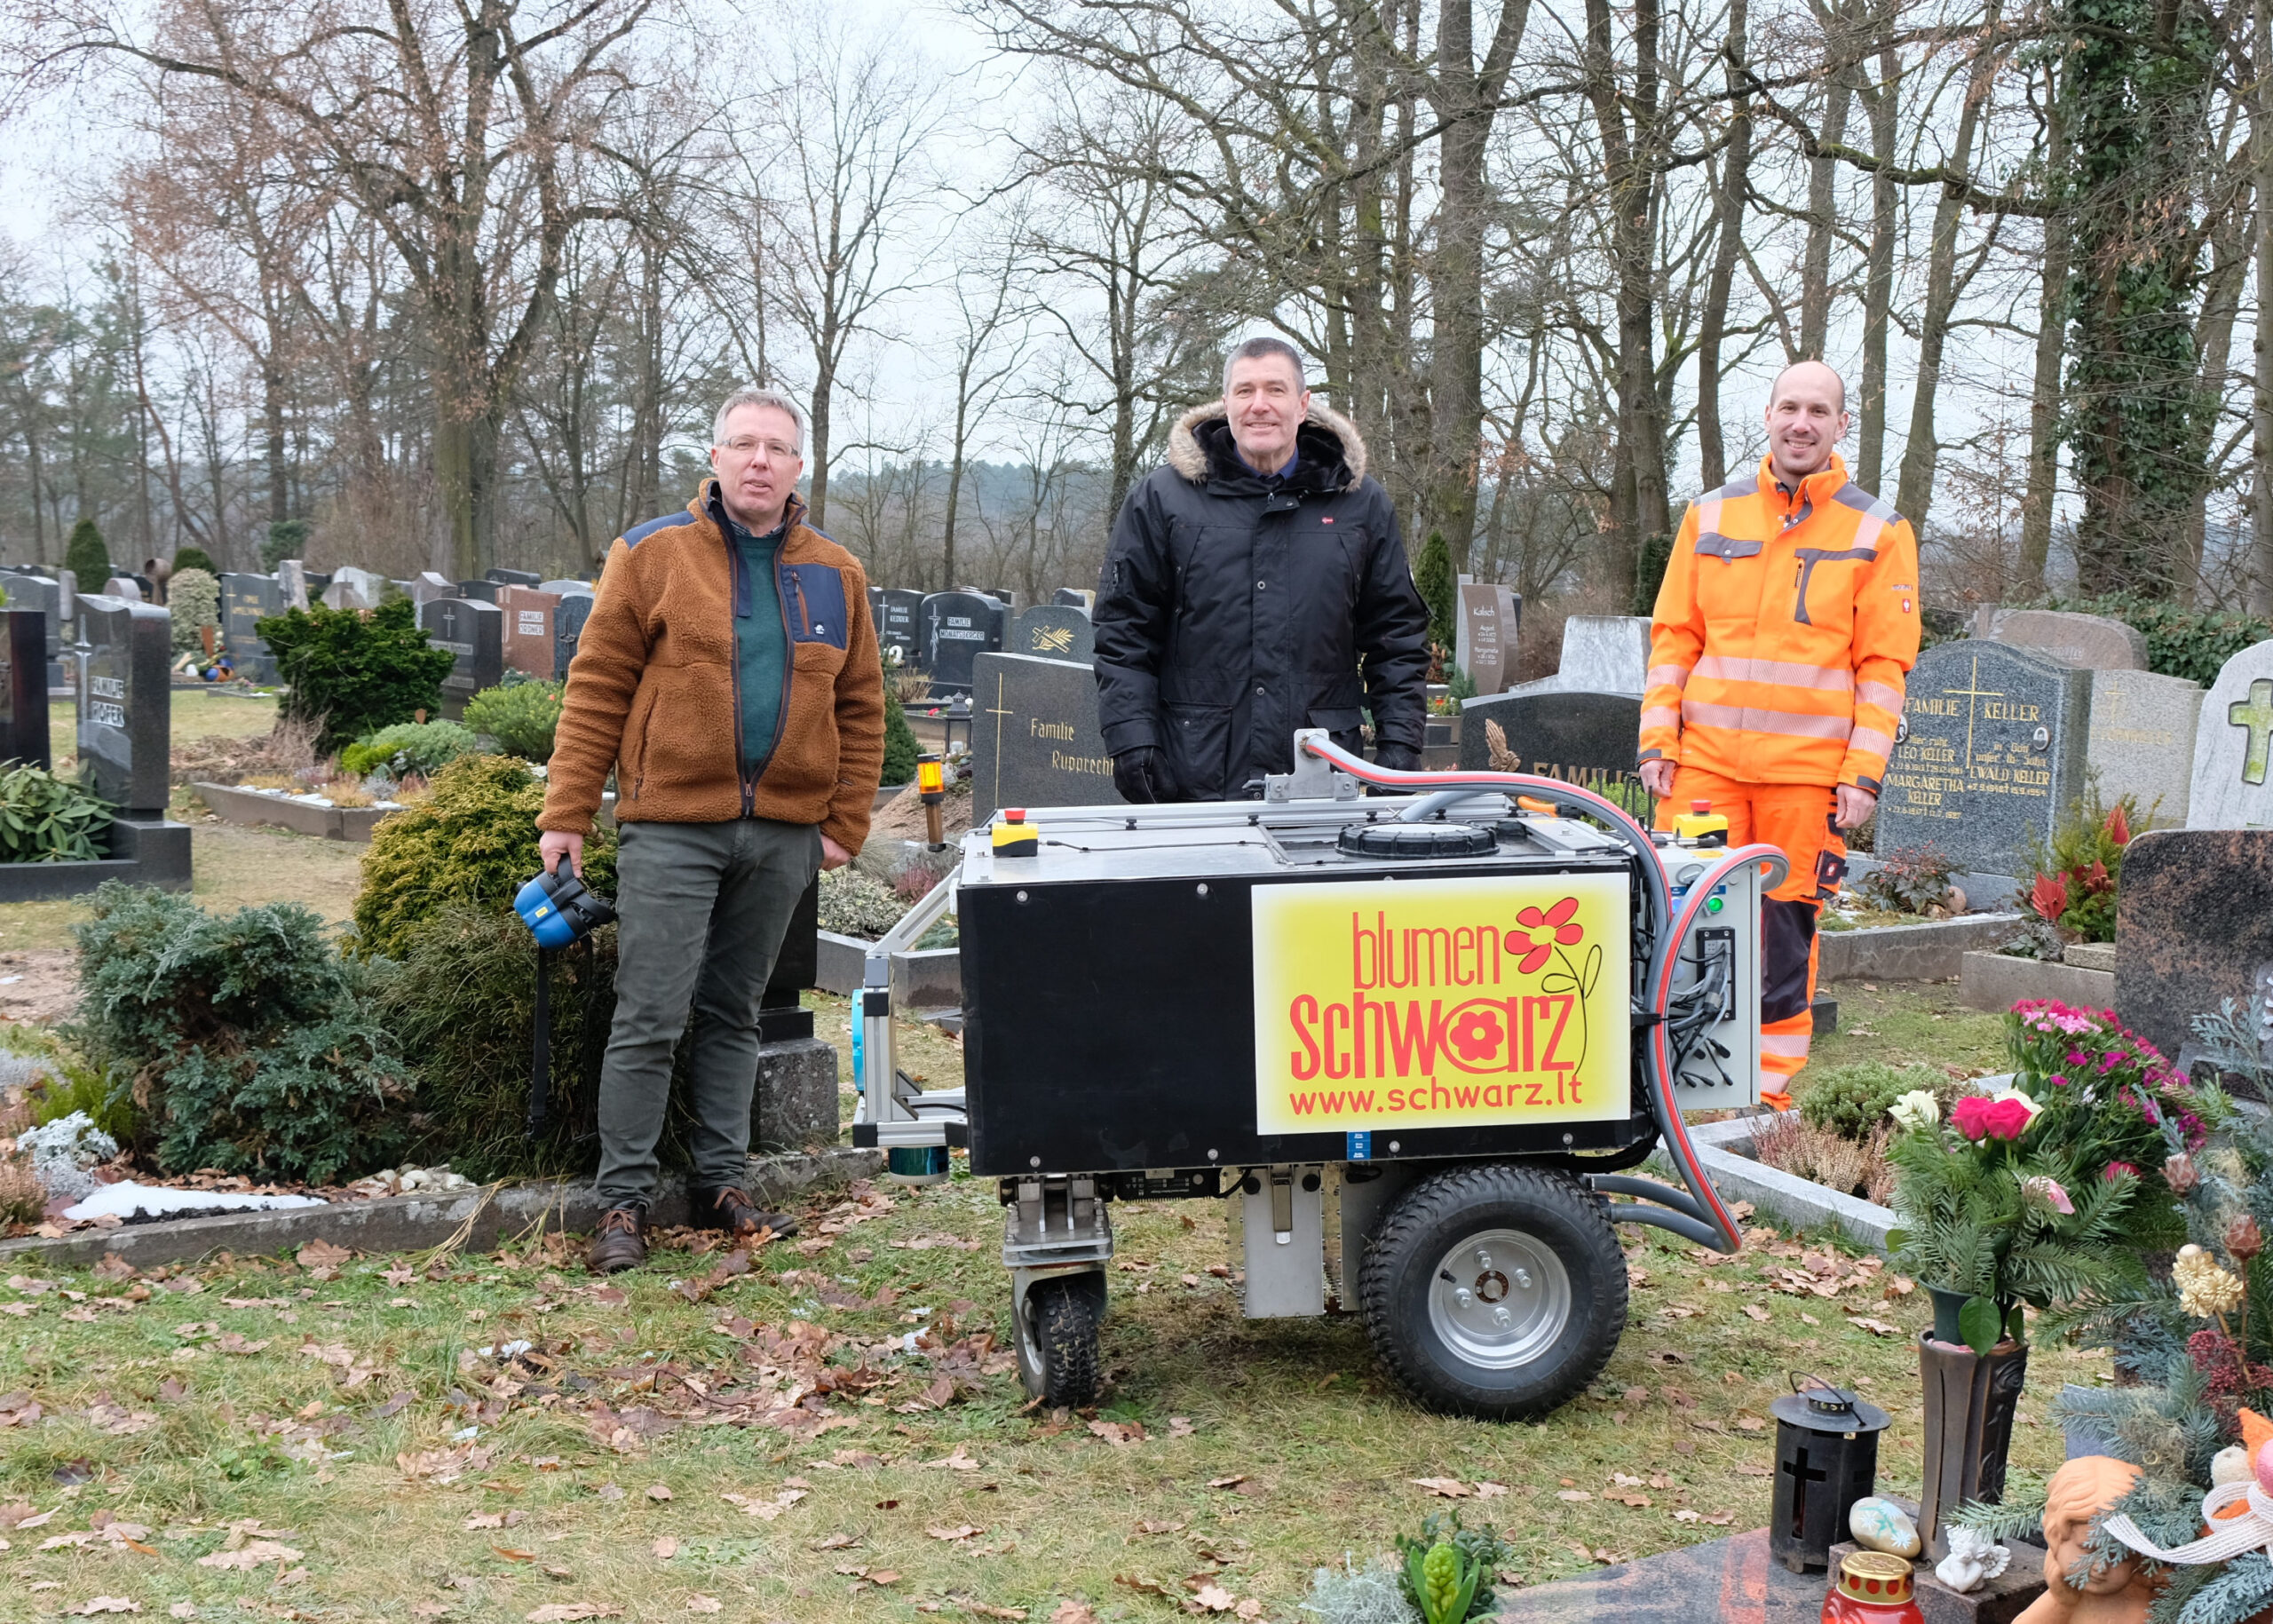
<point>742,448</point>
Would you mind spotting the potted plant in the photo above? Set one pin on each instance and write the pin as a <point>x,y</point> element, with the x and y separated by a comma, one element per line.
<point>1995,1216</point>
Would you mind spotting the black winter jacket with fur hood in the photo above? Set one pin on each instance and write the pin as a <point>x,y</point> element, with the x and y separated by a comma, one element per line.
<point>1233,611</point>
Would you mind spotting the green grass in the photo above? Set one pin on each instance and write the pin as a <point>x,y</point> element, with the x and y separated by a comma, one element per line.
<point>1903,1021</point>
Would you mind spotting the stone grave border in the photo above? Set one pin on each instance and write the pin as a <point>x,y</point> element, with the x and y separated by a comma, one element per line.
<point>1798,1202</point>
<point>1932,950</point>
<point>165,865</point>
<point>1997,981</point>
<point>481,1217</point>
<point>234,805</point>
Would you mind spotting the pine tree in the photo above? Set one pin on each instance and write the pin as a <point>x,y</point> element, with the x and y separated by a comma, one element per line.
<point>1432,574</point>
<point>86,557</point>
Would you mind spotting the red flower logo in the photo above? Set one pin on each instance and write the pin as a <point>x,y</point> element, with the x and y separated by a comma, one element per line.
<point>1475,1035</point>
<point>1534,953</point>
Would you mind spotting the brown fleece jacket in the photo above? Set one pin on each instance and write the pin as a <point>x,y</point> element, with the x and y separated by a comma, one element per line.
<point>650,691</point>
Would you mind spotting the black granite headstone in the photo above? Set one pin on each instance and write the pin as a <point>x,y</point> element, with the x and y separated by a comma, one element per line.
<point>2194,926</point>
<point>126,712</point>
<point>430,586</point>
<point>1075,597</point>
<point>1053,631</point>
<point>955,629</point>
<point>1035,739</point>
<point>478,592</point>
<point>246,600</point>
<point>474,632</point>
<point>1993,748</point>
<point>23,687</point>
<point>1581,738</point>
<point>567,626</point>
<point>513,578</point>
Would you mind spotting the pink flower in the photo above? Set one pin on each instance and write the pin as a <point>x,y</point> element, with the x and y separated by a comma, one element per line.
<point>2114,1170</point>
<point>2054,1197</point>
<point>2006,1117</point>
<point>2059,1082</point>
<point>1970,1116</point>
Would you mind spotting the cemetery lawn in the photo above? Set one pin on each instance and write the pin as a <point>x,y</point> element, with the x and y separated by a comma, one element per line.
<point>1902,1022</point>
<point>294,1441</point>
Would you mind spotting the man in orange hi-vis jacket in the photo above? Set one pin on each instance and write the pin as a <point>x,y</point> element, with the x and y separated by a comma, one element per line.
<point>1786,622</point>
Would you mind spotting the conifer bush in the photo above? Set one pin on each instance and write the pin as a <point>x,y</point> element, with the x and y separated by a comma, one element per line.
<point>351,672</point>
<point>85,556</point>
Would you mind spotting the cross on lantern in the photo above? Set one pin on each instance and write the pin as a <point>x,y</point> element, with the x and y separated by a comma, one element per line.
<point>2254,713</point>
<point>1801,1473</point>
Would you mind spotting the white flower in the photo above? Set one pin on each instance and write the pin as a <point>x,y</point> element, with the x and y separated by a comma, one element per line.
<point>1919,1108</point>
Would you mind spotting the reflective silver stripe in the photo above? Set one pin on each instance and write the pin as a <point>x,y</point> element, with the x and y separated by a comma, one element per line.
<point>1675,674</point>
<point>1751,719</point>
<point>1870,739</point>
<point>1661,715</point>
<point>1786,673</point>
<point>1884,695</point>
<point>1786,1046</point>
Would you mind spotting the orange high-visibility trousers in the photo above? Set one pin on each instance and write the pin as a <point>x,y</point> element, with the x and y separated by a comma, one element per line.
<point>1797,818</point>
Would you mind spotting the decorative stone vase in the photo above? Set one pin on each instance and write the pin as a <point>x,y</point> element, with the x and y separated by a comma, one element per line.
<point>1970,1398</point>
<point>1947,1305</point>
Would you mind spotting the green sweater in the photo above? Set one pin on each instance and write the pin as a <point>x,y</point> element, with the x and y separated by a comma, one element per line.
<point>761,645</point>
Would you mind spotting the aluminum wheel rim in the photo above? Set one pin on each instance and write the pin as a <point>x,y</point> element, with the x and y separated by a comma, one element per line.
<point>1499,1298</point>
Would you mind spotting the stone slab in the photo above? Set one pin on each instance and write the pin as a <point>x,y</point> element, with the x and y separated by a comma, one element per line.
<point>1035,739</point>
<point>1932,951</point>
<point>931,979</point>
<point>1794,1201</point>
<point>796,1096</point>
<point>1992,750</point>
<point>233,805</point>
<point>412,1223</point>
<point>247,600</point>
<point>2090,956</point>
<point>2233,746</point>
<point>1729,1582</point>
<point>2141,742</point>
<point>895,610</point>
<point>2093,642</point>
<point>1054,632</point>
<point>1997,981</point>
<point>2194,917</point>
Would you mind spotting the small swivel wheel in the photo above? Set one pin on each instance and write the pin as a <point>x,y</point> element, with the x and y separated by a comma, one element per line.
<point>1058,1317</point>
<point>1496,1291</point>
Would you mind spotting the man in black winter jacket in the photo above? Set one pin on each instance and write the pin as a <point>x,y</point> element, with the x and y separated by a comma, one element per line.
<point>1244,583</point>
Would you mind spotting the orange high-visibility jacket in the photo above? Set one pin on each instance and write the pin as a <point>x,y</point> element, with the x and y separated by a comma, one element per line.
<point>1783,631</point>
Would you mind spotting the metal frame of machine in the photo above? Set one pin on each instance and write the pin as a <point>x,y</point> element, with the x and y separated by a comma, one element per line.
<point>1480,1254</point>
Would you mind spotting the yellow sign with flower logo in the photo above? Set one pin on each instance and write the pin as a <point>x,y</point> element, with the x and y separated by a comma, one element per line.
<point>1441,1003</point>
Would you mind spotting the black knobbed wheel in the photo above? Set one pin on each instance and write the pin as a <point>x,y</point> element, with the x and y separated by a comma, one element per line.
<point>1057,1338</point>
<point>1495,1291</point>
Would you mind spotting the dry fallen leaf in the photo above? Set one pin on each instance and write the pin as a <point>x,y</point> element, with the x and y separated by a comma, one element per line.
<point>704,1604</point>
<point>658,1491</point>
<point>106,1604</point>
<point>567,1612</point>
<point>1754,1311</point>
<point>322,1253</point>
<point>963,1531</point>
<point>486,1519</point>
<point>1876,1327</point>
<point>1490,1491</point>
<point>1450,1488</point>
<point>1213,1598</point>
<point>1073,1612</point>
<point>1574,1495</point>
<point>258,1553</point>
<point>665,1548</point>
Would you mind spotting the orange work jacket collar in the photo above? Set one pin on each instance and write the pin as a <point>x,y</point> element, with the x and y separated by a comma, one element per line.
<point>1817,489</point>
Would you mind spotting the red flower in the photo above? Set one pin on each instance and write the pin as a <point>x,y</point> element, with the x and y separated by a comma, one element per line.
<point>1558,919</point>
<point>2119,827</point>
<point>1993,1119</point>
<point>2095,878</point>
<point>2049,897</point>
<point>1476,1035</point>
<point>1534,953</point>
<point>2114,1170</point>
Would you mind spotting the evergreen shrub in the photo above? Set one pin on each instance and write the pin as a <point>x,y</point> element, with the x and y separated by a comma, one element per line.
<point>423,747</point>
<point>85,556</point>
<point>520,716</point>
<point>350,672</point>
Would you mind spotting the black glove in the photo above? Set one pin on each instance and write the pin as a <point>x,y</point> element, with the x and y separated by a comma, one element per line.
<point>1398,758</point>
<point>1141,775</point>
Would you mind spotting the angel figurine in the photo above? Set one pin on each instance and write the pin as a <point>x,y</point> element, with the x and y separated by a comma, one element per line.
<point>1973,1560</point>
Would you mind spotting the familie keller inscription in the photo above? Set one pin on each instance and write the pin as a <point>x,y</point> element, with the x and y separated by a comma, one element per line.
<point>1992,748</point>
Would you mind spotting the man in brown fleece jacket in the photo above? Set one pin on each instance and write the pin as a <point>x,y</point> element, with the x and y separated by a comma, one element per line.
<point>729,674</point>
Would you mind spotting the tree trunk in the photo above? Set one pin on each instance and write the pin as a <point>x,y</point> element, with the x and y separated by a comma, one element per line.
<point>2230,253</point>
<point>1815,263</point>
<point>1921,454</point>
<point>2261,507</point>
<point>816,493</point>
<point>1878,288</point>
<point>2044,390</point>
<point>1736,173</point>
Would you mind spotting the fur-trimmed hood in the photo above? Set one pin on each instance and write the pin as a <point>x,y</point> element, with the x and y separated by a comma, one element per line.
<point>1325,434</point>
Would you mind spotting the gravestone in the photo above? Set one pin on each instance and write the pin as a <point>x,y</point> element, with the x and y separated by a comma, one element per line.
<point>246,600</point>
<point>2194,926</point>
<point>292,581</point>
<point>1581,738</point>
<point>567,627</point>
<point>23,686</point>
<point>1992,750</point>
<point>126,587</point>
<point>2093,641</point>
<point>478,591</point>
<point>474,632</point>
<point>1081,598</point>
<point>2233,747</point>
<point>564,586</point>
<point>2141,739</point>
<point>1035,740</point>
<point>125,712</point>
<point>512,577</point>
<point>955,629</point>
<point>1052,631</point>
<point>1488,625</point>
<point>1602,653</point>
<point>354,589</point>
<point>898,613</point>
<point>527,638</point>
<point>29,591</point>
<point>430,586</point>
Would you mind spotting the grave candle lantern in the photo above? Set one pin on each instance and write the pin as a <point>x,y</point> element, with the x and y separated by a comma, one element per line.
<point>931,789</point>
<point>1826,1459</point>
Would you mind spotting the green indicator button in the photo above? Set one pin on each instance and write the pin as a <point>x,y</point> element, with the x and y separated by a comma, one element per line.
<point>1712,904</point>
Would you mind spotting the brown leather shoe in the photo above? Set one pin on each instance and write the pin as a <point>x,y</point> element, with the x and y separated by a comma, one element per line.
<point>619,1243</point>
<point>731,1209</point>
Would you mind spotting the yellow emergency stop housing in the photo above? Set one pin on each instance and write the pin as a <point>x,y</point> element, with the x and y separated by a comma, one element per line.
<point>1701,826</point>
<point>1014,836</point>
